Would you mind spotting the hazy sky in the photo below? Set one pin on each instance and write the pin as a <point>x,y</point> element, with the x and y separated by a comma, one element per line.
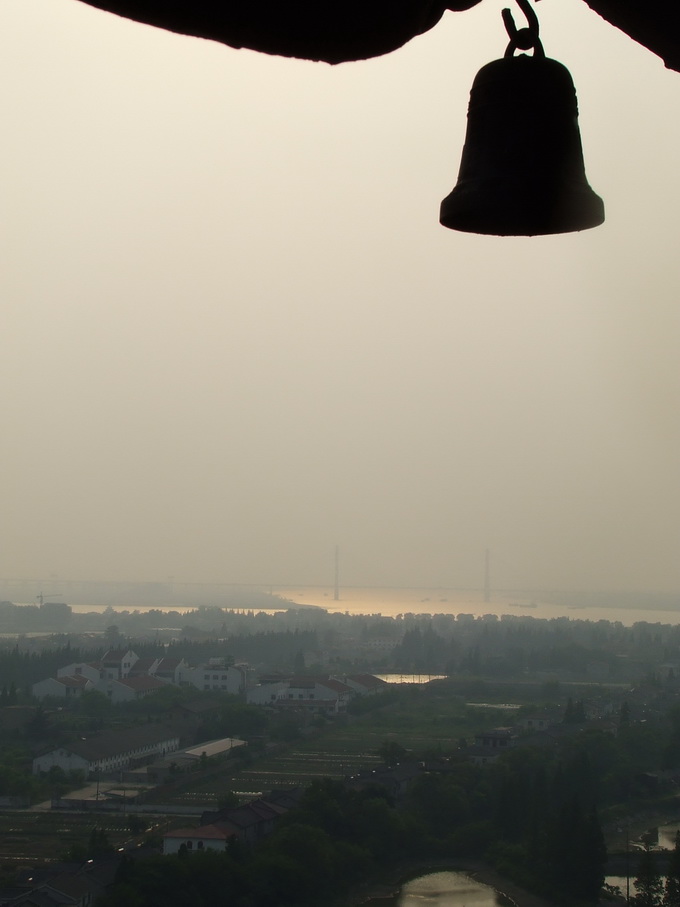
<point>234,333</point>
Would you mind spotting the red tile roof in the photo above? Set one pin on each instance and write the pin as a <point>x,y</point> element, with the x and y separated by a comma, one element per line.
<point>76,680</point>
<point>114,656</point>
<point>335,685</point>
<point>168,664</point>
<point>143,683</point>
<point>367,680</point>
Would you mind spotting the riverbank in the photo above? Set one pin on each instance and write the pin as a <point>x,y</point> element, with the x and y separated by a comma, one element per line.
<point>623,830</point>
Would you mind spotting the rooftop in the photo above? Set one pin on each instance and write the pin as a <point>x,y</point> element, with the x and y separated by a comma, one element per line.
<point>206,832</point>
<point>119,742</point>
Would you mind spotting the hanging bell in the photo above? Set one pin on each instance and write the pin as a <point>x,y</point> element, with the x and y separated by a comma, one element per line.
<point>522,170</point>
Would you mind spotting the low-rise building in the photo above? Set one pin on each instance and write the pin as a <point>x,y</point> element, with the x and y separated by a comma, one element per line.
<point>64,687</point>
<point>248,823</point>
<point>170,669</point>
<point>92,671</point>
<point>117,663</point>
<point>364,684</point>
<point>317,694</point>
<point>130,688</point>
<point>489,745</point>
<point>216,675</point>
<point>206,837</point>
<point>110,751</point>
<point>537,721</point>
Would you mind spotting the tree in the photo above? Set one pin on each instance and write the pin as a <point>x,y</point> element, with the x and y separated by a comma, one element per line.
<point>94,704</point>
<point>112,636</point>
<point>136,824</point>
<point>575,852</point>
<point>671,896</point>
<point>391,752</point>
<point>36,729</point>
<point>574,712</point>
<point>228,800</point>
<point>624,713</point>
<point>648,882</point>
<point>98,843</point>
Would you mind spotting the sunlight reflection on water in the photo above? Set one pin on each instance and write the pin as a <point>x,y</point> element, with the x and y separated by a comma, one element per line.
<point>442,889</point>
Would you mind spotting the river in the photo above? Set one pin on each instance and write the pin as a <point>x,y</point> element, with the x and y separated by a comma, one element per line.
<point>442,889</point>
<point>391,602</point>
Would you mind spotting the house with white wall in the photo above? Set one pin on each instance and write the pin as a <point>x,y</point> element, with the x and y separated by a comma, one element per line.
<point>116,663</point>
<point>62,687</point>
<point>266,693</point>
<point>91,671</point>
<point>122,675</point>
<point>194,840</point>
<point>110,751</point>
<point>326,695</point>
<point>364,684</point>
<point>131,688</point>
<point>215,675</point>
<point>170,669</point>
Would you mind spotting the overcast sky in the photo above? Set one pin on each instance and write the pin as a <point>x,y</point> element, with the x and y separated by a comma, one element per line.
<point>234,333</point>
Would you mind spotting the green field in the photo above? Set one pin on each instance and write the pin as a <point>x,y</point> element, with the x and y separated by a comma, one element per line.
<point>28,837</point>
<point>432,719</point>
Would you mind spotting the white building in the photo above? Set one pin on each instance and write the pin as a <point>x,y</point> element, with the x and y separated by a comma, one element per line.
<point>117,663</point>
<point>216,676</point>
<point>81,669</point>
<point>110,750</point>
<point>131,688</point>
<point>266,693</point>
<point>171,669</point>
<point>122,676</point>
<point>364,684</point>
<point>62,687</point>
<point>207,837</point>
<point>311,693</point>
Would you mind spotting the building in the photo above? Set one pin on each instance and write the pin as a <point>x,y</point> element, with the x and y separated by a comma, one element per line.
<point>117,663</point>
<point>130,688</point>
<point>206,837</point>
<point>123,676</point>
<point>65,687</point>
<point>537,721</point>
<point>364,684</point>
<point>489,745</point>
<point>216,675</point>
<point>170,669</point>
<point>248,823</point>
<point>110,751</point>
<point>324,695</point>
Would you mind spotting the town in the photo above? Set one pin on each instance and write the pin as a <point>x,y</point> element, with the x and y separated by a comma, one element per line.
<point>213,742</point>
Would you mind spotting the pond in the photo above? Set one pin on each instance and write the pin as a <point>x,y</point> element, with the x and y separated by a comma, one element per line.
<point>442,889</point>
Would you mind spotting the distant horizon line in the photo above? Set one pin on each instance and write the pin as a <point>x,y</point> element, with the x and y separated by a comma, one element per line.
<point>270,586</point>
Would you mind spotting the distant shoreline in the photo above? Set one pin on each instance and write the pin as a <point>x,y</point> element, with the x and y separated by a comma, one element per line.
<point>409,603</point>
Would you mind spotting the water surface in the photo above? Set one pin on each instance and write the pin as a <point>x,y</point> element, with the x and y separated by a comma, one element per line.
<point>442,889</point>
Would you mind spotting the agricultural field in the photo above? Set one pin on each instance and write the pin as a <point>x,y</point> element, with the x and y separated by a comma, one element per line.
<point>29,837</point>
<point>429,719</point>
<point>422,719</point>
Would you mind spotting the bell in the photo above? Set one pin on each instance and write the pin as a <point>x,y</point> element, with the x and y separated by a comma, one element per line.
<point>522,170</point>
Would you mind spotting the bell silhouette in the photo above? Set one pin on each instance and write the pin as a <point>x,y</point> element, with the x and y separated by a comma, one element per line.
<point>522,170</point>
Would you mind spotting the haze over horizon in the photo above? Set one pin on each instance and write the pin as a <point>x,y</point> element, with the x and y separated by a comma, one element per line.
<point>235,334</point>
